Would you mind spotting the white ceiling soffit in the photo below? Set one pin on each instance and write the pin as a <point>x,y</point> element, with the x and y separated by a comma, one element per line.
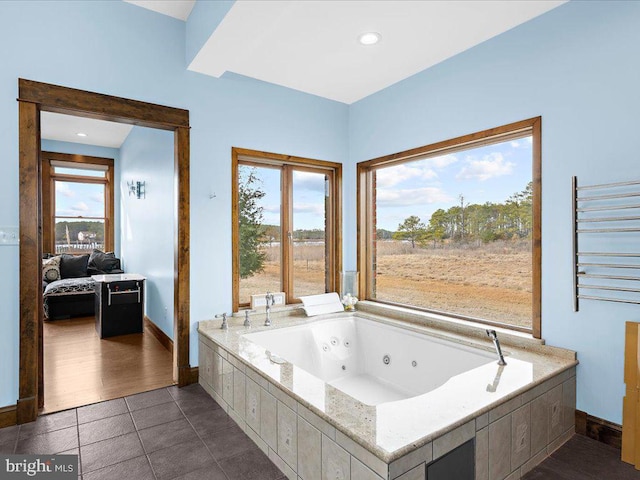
<point>313,46</point>
<point>179,9</point>
<point>64,128</point>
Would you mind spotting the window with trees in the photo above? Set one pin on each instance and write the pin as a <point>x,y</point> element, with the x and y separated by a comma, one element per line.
<point>454,228</point>
<point>77,192</point>
<point>286,219</point>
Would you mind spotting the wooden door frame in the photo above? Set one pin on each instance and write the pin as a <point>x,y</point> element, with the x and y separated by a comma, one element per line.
<point>33,98</point>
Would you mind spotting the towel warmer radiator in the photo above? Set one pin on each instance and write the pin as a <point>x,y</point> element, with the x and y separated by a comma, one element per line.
<point>609,211</point>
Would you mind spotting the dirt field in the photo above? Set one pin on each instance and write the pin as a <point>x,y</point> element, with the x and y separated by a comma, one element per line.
<point>491,282</point>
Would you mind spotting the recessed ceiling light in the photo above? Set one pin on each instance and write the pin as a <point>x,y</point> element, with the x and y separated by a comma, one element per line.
<point>81,134</point>
<point>369,38</point>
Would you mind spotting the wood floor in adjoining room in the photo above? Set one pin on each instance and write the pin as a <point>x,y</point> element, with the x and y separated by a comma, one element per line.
<point>80,368</point>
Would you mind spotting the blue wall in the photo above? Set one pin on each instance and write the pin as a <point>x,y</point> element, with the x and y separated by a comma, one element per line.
<point>147,225</point>
<point>119,49</point>
<point>578,67</point>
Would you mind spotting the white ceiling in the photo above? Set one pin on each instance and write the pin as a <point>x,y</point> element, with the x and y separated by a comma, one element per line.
<point>312,45</point>
<point>55,126</point>
<point>179,9</point>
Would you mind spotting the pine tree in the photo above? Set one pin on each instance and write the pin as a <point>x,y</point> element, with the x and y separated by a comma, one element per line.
<point>251,229</point>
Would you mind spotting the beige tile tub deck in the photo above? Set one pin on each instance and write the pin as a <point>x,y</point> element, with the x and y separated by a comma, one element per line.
<point>527,412</point>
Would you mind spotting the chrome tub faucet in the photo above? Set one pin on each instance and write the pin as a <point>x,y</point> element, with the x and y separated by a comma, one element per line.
<point>269,300</point>
<point>494,336</point>
<point>225,325</point>
<point>247,320</point>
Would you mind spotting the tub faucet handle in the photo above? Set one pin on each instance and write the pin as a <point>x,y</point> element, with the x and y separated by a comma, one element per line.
<point>247,321</point>
<point>225,325</point>
<point>493,335</point>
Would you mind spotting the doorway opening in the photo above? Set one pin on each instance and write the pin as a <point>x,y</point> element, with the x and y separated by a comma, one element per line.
<point>34,98</point>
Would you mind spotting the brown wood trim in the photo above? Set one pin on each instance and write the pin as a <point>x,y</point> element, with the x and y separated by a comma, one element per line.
<point>286,225</point>
<point>280,159</point>
<point>78,158</point>
<point>8,416</point>
<point>48,194</point>
<point>193,375</point>
<point>336,253</point>
<point>366,214</point>
<point>536,234</point>
<point>36,97</point>
<point>235,231</point>
<point>154,330</point>
<point>477,139</point>
<point>30,260</point>
<point>288,164</point>
<point>54,98</point>
<point>598,429</point>
<point>364,204</point>
<point>182,256</point>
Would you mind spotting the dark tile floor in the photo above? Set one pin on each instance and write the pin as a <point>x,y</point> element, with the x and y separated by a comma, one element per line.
<point>183,434</point>
<point>582,458</point>
<point>159,435</point>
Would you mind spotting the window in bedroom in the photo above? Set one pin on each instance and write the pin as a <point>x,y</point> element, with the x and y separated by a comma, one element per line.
<point>286,218</point>
<point>77,194</point>
<point>454,228</point>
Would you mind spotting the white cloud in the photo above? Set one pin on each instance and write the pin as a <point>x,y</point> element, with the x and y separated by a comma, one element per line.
<point>421,170</point>
<point>389,177</point>
<point>271,208</point>
<point>98,198</point>
<point>491,165</point>
<point>63,189</point>
<point>529,140</point>
<point>308,181</point>
<point>441,161</point>
<point>314,208</point>
<point>79,207</point>
<point>411,196</point>
<point>515,144</point>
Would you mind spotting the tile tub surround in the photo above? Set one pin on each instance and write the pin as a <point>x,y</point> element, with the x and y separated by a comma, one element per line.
<point>312,430</point>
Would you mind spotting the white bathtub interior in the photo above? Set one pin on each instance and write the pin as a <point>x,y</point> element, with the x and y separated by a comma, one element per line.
<point>372,362</point>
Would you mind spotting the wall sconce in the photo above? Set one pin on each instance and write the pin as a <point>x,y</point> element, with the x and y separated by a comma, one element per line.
<point>136,189</point>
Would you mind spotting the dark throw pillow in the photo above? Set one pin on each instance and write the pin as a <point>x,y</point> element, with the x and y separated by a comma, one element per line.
<point>74,266</point>
<point>101,262</point>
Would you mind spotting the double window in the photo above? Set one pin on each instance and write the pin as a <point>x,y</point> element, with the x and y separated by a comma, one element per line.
<point>77,203</point>
<point>286,219</point>
<point>454,228</point>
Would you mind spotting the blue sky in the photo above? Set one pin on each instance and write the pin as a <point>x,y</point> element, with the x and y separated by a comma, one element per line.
<point>486,174</point>
<point>308,198</point>
<point>79,199</point>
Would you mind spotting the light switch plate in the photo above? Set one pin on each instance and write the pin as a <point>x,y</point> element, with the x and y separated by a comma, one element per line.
<point>279,298</point>
<point>9,236</point>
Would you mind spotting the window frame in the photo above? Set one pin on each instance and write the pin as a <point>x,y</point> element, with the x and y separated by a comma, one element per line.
<point>49,177</point>
<point>288,163</point>
<point>366,202</point>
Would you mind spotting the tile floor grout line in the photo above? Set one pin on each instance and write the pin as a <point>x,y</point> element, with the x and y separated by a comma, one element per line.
<point>79,451</point>
<point>201,440</point>
<point>144,449</point>
<point>15,442</point>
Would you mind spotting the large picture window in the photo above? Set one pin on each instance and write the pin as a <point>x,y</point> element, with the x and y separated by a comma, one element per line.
<point>285,223</point>
<point>454,228</point>
<point>77,203</point>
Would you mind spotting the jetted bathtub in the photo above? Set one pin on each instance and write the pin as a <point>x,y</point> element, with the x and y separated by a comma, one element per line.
<point>366,396</point>
<point>371,361</point>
